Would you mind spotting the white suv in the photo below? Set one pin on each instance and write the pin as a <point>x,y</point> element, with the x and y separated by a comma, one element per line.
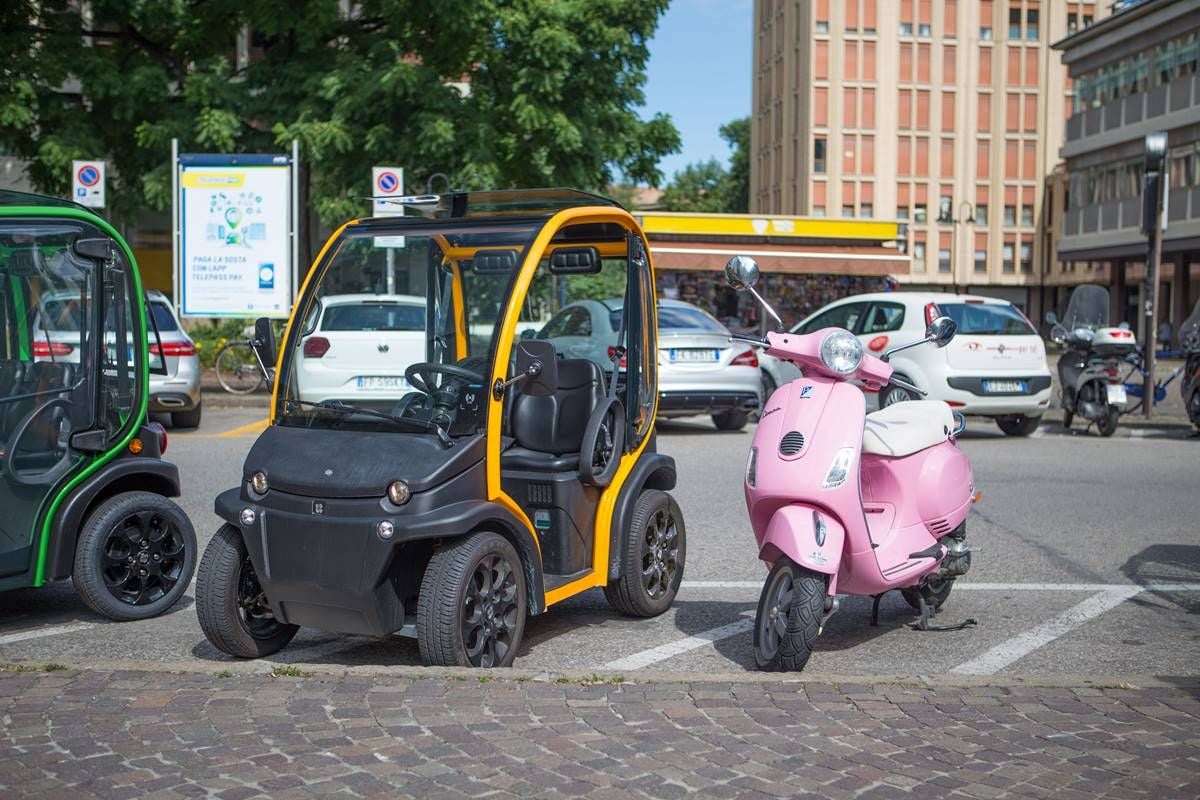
<point>995,366</point>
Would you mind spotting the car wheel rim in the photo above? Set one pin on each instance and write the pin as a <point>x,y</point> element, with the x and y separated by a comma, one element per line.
<point>490,611</point>
<point>142,558</point>
<point>256,615</point>
<point>660,554</point>
<point>894,396</point>
<point>773,621</point>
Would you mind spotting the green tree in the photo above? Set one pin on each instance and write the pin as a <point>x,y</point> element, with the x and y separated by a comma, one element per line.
<point>708,186</point>
<point>494,93</point>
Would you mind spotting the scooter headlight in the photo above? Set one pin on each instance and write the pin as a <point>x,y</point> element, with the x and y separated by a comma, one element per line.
<point>841,351</point>
<point>839,470</point>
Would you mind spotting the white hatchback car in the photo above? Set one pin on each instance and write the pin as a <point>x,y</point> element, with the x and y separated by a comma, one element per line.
<point>995,366</point>
<point>358,347</point>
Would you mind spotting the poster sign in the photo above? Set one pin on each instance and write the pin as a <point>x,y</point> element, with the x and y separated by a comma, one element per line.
<point>235,235</point>
<point>87,183</point>
<point>387,182</point>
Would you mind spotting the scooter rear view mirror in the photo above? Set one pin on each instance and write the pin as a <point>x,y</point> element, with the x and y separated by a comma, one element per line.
<point>941,331</point>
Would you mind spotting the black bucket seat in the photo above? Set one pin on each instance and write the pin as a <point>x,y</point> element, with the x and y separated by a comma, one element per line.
<point>548,430</point>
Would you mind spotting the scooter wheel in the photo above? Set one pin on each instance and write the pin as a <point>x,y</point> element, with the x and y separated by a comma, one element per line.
<point>1108,425</point>
<point>788,620</point>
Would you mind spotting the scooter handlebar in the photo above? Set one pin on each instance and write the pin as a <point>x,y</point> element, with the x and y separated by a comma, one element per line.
<point>906,385</point>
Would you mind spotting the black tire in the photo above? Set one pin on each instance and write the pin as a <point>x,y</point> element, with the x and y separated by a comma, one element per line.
<point>135,556</point>
<point>936,591</point>
<point>1108,425</point>
<point>229,602</point>
<point>788,620</point>
<point>1193,408</point>
<point>464,620</point>
<point>890,394</point>
<point>187,419</point>
<point>653,561</point>
<point>1018,424</point>
<point>1068,416</point>
<point>732,420</point>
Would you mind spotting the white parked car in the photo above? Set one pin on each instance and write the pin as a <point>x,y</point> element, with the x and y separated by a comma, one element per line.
<point>358,346</point>
<point>995,366</point>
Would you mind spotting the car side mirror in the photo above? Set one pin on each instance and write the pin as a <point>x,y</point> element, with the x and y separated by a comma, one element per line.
<point>941,331</point>
<point>537,367</point>
<point>264,344</point>
<point>1051,318</point>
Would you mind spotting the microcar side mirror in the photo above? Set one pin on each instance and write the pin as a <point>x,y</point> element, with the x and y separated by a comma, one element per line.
<point>98,249</point>
<point>741,272</point>
<point>941,331</point>
<point>537,367</point>
<point>264,343</point>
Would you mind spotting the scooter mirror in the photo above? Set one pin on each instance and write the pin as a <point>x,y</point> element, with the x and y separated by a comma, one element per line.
<point>741,272</point>
<point>1051,318</point>
<point>941,331</point>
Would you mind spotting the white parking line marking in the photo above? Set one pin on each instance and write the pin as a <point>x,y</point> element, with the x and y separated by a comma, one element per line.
<point>1021,645</point>
<point>42,632</point>
<point>992,587</point>
<point>661,653</point>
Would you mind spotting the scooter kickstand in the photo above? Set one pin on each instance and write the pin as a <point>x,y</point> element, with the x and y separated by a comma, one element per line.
<point>928,611</point>
<point>875,610</point>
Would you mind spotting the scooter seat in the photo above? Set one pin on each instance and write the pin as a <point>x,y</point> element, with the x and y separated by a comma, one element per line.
<point>902,429</point>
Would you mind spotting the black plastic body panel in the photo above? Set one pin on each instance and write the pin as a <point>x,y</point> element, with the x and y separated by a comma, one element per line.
<point>652,471</point>
<point>705,402</point>
<point>563,512</point>
<point>125,473</point>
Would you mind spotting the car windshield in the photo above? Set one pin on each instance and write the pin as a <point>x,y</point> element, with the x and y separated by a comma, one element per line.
<point>686,318</point>
<point>389,295</point>
<point>987,319</point>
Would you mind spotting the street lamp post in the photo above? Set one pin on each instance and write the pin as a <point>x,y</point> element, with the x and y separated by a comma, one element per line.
<point>968,219</point>
<point>1156,157</point>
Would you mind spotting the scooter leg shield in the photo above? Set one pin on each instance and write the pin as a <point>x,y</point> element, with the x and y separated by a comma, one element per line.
<point>812,538</point>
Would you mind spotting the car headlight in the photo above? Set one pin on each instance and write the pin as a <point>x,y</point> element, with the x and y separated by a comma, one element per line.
<point>398,492</point>
<point>841,351</point>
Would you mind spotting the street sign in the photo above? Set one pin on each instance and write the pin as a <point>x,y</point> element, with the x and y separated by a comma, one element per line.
<point>387,182</point>
<point>87,183</point>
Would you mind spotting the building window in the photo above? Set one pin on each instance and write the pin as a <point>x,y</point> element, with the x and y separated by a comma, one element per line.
<point>1031,24</point>
<point>924,30</point>
<point>981,214</point>
<point>1027,215</point>
<point>981,260</point>
<point>818,211</point>
<point>902,213</point>
<point>819,155</point>
<point>1014,23</point>
<point>866,210</point>
<point>944,204</point>
<point>1026,257</point>
<point>906,29</point>
<point>1072,22</point>
<point>919,252</point>
<point>943,260</point>
<point>985,33</point>
<point>919,215</point>
<point>1010,215</point>
<point>822,26</point>
<point>1087,20</point>
<point>848,212</point>
<point>1006,257</point>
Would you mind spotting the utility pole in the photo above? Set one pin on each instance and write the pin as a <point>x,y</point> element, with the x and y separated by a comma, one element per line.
<point>1152,191</point>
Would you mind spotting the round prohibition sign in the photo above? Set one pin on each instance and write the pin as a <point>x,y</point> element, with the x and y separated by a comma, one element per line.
<point>88,175</point>
<point>387,182</point>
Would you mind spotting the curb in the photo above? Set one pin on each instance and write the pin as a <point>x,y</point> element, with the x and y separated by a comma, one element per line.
<point>649,677</point>
<point>1157,422</point>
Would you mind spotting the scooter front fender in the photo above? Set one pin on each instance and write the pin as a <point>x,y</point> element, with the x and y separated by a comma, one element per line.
<point>810,537</point>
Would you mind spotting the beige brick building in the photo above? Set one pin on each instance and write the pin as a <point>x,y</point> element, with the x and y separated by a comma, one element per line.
<point>946,114</point>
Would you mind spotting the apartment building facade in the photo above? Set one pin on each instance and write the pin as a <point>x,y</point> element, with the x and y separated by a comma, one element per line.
<point>945,115</point>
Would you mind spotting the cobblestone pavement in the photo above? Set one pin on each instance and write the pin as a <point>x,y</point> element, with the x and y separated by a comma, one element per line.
<point>113,734</point>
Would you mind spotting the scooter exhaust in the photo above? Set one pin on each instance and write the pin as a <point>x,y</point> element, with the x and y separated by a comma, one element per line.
<point>957,560</point>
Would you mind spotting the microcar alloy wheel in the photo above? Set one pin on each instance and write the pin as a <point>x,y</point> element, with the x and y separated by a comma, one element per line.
<point>471,611</point>
<point>230,603</point>
<point>653,560</point>
<point>135,556</point>
<point>788,620</point>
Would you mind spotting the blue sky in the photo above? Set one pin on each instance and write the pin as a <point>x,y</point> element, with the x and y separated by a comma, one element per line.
<point>699,73</point>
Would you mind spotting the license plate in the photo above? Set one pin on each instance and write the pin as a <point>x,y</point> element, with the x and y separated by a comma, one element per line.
<point>693,355</point>
<point>382,382</point>
<point>1004,387</point>
<point>1116,393</point>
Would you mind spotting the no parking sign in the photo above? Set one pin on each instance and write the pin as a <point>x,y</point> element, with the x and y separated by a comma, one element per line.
<point>387,182</point>
<point>87,183</point>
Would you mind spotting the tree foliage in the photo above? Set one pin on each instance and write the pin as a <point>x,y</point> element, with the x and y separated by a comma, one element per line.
<point>709,186</point>
<point>552,88</point>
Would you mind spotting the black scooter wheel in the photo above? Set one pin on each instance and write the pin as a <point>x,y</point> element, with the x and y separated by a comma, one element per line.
<point>788,620</point>
<point>230,605</point>
<point>471,610</point>
<point>135,556</point>
<point>1108,425</point>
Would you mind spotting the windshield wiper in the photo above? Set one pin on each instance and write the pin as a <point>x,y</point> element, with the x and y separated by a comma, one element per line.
<point>345,408</point>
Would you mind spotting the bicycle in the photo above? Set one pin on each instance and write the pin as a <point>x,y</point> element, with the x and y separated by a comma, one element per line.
<point>1135,388</point>
<point>237,368</point>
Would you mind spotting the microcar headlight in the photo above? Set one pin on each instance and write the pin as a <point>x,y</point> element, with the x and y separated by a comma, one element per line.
<point>398,492</point>
<point>839,469</point>
<point>258,481</point>
<point>752,468</point>
<point>841,351</point>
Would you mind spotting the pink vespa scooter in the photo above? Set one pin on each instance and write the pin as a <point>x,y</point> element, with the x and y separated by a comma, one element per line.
<point>845,502</point>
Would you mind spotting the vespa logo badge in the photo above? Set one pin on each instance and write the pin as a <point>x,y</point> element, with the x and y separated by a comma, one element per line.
<point>806,392</point>
<point>383,347</point>
<point>318,507</point>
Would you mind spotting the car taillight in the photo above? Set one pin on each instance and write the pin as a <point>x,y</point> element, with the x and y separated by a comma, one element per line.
<point>315,346</point>
<point>932,312</point>
<point>46,349</point>
<point>746,359</point>
<point>612,351</point>
<point>174,349</point>
<point>1112,373</point>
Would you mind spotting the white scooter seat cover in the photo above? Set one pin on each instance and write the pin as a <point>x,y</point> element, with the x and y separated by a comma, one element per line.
<point>902,429</point>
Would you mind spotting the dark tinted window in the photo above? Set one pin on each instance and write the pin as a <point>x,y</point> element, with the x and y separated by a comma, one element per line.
<point>884,318</point>
<point>62,314</point>
<point>164,320</point>
<point>845,316</point>
<point>987,320</point>
<point>568,322</point>
<point>687,318</point>
<point>374,317</point>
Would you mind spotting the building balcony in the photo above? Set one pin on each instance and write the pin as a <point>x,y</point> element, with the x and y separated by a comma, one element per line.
<point>1113,229</point>
<point>1163,107</point>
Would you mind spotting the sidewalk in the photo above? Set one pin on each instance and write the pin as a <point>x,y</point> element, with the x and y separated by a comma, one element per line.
<point>129,733</point>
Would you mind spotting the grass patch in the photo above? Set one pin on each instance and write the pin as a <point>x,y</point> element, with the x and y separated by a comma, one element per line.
<point>593,680</point>
<point>290,672</point>
<point>51,667</point>
<point>224,673</point>
<point>485,679</point>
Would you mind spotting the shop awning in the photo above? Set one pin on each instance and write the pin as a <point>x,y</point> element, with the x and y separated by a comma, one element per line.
<point>809,260</point>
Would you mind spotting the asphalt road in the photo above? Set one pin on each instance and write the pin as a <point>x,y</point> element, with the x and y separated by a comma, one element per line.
<point>1086,561</point>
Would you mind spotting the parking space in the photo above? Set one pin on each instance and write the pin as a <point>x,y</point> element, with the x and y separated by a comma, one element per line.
<point>1085,562</point>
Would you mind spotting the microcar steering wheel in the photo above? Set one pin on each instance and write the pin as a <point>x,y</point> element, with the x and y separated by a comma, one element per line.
<point>45,477</point>
<point>420,375</point>
<point>603,443</point>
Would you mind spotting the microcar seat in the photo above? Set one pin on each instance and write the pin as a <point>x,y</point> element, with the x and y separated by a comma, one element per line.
<point>548,430</point>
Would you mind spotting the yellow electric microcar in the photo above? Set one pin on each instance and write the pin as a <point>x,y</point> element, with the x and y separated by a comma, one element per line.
<point>462,435</point>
